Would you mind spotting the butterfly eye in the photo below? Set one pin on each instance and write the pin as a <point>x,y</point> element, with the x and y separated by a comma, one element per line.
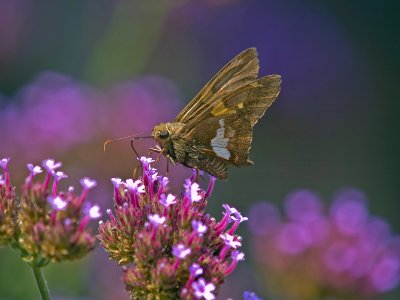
<point>164,134</point>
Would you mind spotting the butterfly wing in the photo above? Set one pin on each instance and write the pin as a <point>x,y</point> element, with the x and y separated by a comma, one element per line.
<point>249,102</point>
<point>222,133</point>
<point>216,142</point>
<point>239,72</point>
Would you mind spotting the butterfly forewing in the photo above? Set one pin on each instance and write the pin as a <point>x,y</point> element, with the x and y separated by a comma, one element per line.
<point>250,102</point>
<point>253,100</point>
<point>239,72</point>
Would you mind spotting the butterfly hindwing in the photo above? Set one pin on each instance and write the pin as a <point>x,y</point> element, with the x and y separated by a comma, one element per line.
<point>224,135</point>
<point>227,139</point>
<point>232,140</point>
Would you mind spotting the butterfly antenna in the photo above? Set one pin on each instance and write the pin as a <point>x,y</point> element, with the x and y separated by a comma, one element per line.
<point>132,137</point>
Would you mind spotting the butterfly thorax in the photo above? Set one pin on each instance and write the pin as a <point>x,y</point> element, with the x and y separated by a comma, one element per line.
<point>169,137</point>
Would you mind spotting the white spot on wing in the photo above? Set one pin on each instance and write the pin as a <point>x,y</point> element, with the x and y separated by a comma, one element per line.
<point>219,143</point>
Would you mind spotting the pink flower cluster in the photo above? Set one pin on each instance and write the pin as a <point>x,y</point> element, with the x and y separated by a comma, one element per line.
<point>314,253</point>
<point>169,247</point>
<point>47,224</point>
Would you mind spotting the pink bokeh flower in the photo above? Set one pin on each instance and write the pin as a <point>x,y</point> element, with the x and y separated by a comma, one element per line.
<point>342,252</point>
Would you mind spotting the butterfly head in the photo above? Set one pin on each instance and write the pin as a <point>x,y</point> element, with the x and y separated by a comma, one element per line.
<point>162,133</point>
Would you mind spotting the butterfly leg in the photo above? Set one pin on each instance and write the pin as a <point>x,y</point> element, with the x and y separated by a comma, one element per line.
<point>135,172</point>
<point>167,171</point>
<point>138,157</point>
<point>195,175</point>
<point>158,158</point>
<point>156,149</point>
<point>134,150</point>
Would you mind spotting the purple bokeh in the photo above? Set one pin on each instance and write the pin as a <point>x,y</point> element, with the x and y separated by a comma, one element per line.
<point>325,77</point>
<point>55,114</point>
<point>343,251</point>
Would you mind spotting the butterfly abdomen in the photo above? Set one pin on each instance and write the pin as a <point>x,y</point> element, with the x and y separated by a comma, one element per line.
<point>213,165</point>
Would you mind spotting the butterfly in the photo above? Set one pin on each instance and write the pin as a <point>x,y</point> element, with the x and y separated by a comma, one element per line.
<point>215,129</point>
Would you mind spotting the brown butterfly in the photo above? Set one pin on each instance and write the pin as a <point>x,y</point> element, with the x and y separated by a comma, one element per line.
<point>215,128</point>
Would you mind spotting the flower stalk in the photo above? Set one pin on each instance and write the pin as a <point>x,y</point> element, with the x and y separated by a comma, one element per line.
<point>41,282</point>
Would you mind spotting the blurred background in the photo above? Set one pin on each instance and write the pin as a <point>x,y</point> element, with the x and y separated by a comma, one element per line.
<point>75,73</point>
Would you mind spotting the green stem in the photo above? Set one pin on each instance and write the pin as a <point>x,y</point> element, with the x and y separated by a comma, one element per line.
<point>41,282</point>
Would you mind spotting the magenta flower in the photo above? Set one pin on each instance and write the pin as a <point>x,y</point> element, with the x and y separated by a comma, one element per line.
<point>180,251</point>
<point>203,289</point>
<point>237,256</point>
<point>195,270</point>
<point>88,183</point>
<point>34,170</point>
<point>156,220</point>
<point>230,240</point>
<point>193,191</point>
<point>57,202</point>
<point>94,212</point>
<point>165,241</point>
<point>4,162</point>
<point>135,185</point>
<point>116,181</point>
<point>342,252</point>
<point>199,227</point>
<point>50,165</point>
<point>250,296</point>
<point>229,210</point>
<point>167,200</point>
<point>60,175</point>
<point>146,161</point>
<point>237,217</point>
